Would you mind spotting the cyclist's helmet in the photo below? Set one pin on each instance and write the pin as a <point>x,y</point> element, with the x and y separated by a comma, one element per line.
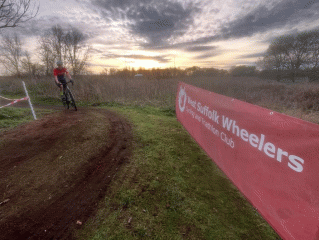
<point>59,63</point>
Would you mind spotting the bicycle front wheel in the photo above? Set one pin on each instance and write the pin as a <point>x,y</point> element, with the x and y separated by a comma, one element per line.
<point>72,101</point>
<point>65,101</point>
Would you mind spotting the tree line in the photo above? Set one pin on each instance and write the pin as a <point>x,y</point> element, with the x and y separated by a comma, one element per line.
<point>292,56</point>
<point>163,73</point>
<point>287,57</point>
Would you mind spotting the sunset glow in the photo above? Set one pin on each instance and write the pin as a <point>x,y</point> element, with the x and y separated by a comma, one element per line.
<point>168,33</point>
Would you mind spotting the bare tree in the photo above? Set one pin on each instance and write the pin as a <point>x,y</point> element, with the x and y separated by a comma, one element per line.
<point>243,70</point>
<point>68,46</point>
<point>104,72</point>
<point>288,54</point>
<point>14,12</point>
<point>29,67</point>
<point>77,53</point>
<point>113,71</point>
<point>313,63</point>
<point>11,54</point>
<point>293,55</point>
<point>315,51</point>
<point>52,48</point>
<point>26,63</point>
<point>46,54</point>
<point>57,42</point>
<point>274,60</point>
<point>312,39</point>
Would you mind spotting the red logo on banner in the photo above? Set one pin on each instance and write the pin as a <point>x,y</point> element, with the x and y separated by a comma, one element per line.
<point>182,99</point>
<point>272,158</point>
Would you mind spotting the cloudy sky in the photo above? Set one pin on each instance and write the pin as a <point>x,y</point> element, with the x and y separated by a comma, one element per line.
<point>161,33</point>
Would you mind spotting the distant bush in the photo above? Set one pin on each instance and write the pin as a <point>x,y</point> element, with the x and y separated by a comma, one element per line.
<point>243,71</point>
<point>101,89</point>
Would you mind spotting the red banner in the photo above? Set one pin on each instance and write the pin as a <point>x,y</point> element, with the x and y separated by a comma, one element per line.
<point>273,159</point>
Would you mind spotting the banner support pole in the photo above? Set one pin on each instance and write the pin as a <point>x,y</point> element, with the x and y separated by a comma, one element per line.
<point>26,92</point>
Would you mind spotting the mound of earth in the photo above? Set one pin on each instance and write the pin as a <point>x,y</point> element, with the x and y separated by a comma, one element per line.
<point>55,170</point>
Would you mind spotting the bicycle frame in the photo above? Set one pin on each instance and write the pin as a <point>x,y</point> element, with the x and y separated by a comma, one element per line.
<point>68,97</point>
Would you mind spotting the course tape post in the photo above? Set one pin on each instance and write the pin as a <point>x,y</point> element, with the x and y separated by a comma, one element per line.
<point>21,99</point>
<point>272,158</point>
<point>29,100</point>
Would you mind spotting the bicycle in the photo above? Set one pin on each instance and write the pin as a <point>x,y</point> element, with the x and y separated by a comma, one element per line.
<point>68,97</point>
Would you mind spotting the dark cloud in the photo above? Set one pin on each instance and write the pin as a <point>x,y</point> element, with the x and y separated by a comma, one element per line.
<point>96,51</point>
<point>154,21</point>
<point>262,19</point>
<point>285,14</point>
<point>43,25</point>
<point>254,55</point>
<point>101,65</point>
<point>208,55</point>
<point>202,63</point>
<point>160,59</point>
<point>204,40</point>
<point>188,46</point>
<point>247,63</point>
<point>122,4</point>
<point>204,56</point>
<point>199,48</point>
<point>35,27</point>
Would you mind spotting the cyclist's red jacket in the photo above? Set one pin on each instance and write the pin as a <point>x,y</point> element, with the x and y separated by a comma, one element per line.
<point>60,73</point>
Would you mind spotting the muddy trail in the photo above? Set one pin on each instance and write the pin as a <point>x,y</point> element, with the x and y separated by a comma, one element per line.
<point>55,170</point>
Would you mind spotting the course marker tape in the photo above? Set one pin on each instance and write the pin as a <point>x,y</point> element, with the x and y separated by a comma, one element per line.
<point>15,101</point>
<point>21,99</point>
<point>8,98</point>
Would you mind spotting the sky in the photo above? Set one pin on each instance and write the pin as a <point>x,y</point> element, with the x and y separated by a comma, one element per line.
<point>168,33</point>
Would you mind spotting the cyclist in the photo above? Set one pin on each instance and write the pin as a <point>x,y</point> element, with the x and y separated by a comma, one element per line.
<point>59,75</point>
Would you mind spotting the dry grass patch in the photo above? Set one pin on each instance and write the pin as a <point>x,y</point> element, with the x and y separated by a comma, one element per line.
<point>162,93</point>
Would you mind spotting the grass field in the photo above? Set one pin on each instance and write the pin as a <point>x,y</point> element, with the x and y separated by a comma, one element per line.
<point>11,117</point>
<point>171,190</point>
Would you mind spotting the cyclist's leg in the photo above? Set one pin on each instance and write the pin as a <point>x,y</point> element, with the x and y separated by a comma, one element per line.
<point>61,88</point>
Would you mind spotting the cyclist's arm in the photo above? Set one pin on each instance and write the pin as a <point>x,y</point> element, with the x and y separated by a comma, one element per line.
<point>56,76</point>
<point>69,76</point>
<point>56,79</point>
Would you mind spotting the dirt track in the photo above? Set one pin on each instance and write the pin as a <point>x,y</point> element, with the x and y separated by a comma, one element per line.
<point>51,187</point>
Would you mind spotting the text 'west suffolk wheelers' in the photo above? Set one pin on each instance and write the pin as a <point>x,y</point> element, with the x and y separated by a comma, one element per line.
<point>256,141</point>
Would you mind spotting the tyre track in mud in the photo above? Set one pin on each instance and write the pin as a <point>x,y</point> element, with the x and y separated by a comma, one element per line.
<point>58,220</point>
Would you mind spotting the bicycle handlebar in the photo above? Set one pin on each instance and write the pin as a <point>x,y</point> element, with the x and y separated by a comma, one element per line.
<point>68,82</point>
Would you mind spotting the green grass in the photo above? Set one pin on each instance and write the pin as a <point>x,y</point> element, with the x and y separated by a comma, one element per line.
<point>46,100</point>
<point>13,94</point>
<point>171,189</point>
<point>11,117</point>
<point>56,101</point>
